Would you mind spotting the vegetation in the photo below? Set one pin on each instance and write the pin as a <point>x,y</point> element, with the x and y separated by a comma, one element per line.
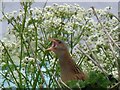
<point>91,35</point>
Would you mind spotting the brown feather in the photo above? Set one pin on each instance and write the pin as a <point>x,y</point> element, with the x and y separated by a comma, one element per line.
<point>69,69</point>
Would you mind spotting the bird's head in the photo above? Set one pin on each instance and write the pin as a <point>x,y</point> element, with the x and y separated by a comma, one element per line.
<point>58,47</point>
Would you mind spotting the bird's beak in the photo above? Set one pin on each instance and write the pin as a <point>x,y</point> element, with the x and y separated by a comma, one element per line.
<point>54,44</point>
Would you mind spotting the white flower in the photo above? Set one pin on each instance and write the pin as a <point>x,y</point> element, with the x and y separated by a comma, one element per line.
<point>21,13</point>
<point>55,5</point>
<point>16,74</point>
<point>31,9</point>
<point>31,59</point>
<point>115,73</point>
<point>77,5</point>
<point>14,12</point>
<point>108,8</point>
<point>26,60</point>
<point>2,64</point>
<point>57,21</point>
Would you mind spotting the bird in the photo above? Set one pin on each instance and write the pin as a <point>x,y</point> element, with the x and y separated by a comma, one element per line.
<point>69,70</point>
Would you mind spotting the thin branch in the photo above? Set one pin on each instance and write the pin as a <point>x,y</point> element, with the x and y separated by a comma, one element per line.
<point>81,59</point>
<point>6,78</point>
<point>109,37</point>
<point>12,64</point>
<point>113,16</point>
<point>65,84</point>
<point>94,61</point>
<point>41,74</point>
<point>115,86</point>
<point>56,81</point>
<point>36,46</point>
<point>104,30</point>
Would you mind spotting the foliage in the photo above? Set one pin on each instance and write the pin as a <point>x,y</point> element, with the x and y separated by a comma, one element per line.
<point>26,64</point>
<point>95,80</point>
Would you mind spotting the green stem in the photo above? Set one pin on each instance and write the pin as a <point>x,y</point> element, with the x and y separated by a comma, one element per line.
<point>12,64</point>
<point>71,43</point>
<point>21,35</point>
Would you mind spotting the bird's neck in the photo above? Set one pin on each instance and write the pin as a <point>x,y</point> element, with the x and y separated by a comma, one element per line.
<point>64,56</point>
<point>66,62</point>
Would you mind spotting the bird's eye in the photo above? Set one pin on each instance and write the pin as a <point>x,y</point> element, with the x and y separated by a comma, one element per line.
<point>59,42</point>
